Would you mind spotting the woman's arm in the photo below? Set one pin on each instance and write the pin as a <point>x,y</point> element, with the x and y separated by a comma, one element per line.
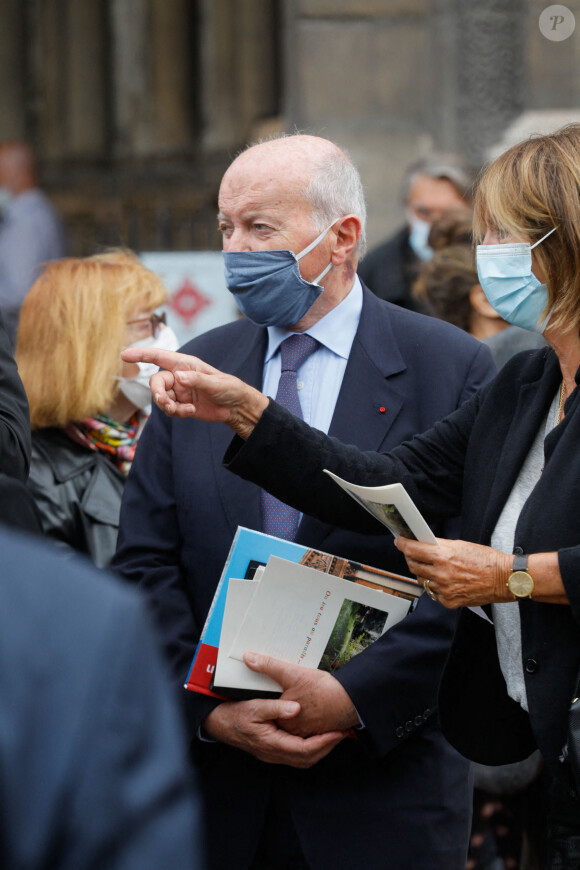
<point>285,456</point>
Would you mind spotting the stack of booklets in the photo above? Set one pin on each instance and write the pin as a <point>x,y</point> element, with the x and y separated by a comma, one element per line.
<point>300,605</point>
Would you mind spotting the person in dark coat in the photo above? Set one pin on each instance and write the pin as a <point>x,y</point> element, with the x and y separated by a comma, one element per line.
<point>432,185</point>
<point>15,443</point>
<point>508,459</point>
<point>87,409</point>
<point>92,752</point>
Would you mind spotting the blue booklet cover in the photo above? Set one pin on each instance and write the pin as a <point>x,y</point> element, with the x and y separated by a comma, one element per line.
<point>249,550</point>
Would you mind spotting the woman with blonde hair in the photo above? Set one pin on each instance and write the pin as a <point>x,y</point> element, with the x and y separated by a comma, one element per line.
<point>507,461</point>
<point>87,407</point>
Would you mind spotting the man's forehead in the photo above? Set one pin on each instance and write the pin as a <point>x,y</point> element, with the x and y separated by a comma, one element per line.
<point>256,191</point>
<point>427,187</point>
<point>283,160</point>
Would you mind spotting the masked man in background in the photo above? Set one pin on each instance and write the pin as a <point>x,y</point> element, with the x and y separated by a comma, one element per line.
<point>433,185</point>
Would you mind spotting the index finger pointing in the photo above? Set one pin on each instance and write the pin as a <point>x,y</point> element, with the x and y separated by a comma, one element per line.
<point>166,359</point>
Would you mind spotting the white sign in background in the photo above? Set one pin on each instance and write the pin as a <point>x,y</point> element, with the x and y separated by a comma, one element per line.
<point>198,298</point>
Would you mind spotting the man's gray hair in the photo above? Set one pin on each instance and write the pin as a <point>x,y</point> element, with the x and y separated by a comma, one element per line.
<point>447,165</point>
<point>335,189</point>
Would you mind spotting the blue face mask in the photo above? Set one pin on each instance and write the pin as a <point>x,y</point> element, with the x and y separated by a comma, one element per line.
<point>418,238</point>
<point>506,277</point>
<point>268,286</point>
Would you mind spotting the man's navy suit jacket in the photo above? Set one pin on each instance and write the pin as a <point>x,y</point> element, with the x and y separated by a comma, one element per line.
<point>398,796</point>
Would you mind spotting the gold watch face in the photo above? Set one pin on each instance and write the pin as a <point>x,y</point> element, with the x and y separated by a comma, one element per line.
<point>520,584</point>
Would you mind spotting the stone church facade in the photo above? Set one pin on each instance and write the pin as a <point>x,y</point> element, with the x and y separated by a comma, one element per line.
<point>135,107</point>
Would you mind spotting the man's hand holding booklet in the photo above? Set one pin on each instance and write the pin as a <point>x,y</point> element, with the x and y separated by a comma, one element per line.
<point>303,606</point>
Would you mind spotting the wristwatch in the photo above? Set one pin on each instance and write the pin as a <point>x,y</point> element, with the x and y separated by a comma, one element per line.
<point>520,582</point>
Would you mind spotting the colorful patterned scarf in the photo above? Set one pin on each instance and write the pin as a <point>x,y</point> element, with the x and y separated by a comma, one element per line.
<point>117,440</point>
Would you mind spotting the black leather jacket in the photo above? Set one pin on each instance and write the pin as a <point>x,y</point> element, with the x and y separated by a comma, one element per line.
<point>78,494</point>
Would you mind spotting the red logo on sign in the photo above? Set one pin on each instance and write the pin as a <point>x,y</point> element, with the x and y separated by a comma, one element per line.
<point>189,301</point>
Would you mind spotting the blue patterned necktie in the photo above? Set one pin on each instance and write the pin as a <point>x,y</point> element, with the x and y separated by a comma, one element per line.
<point>278,518</point>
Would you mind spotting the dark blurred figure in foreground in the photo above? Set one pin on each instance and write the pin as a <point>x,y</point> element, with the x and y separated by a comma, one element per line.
<point>432,185</point>
<point>31,232</point>
<point>92,766</point>
<point>14,415</point>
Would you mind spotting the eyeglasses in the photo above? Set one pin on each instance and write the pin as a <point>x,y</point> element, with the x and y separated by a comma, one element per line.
<point>155,322</point>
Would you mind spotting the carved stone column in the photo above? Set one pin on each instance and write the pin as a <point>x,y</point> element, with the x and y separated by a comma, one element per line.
<point>491,71</point>
<point>131,79</point>
<point>12,64</point>
<point>239,76</point>
<point>172,53</point>
<point>84,53</point>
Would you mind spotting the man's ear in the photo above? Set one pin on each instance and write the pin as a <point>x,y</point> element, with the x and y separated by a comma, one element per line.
<point>348,230</point>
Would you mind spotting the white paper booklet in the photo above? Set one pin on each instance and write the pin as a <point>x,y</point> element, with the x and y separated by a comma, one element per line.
<point>392,506</point>
<point>231,673</point>
<point>303,616</point>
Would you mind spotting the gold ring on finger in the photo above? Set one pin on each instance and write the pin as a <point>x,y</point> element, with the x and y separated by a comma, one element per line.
<point>429,591</point>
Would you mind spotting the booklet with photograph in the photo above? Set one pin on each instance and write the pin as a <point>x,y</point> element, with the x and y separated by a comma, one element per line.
<point>392,506</point>
<point>300,615</point>
<point>250,550</point>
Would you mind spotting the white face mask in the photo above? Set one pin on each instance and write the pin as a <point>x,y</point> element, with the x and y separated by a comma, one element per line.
<point>137,389</point>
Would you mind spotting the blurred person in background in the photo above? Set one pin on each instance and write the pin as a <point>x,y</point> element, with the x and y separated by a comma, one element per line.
<point>31,231</point>
<point>87,407</point>
<point>432,185</point>
<point>448,286</point>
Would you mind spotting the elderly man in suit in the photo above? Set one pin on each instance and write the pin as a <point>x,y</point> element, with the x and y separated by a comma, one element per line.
<point>285,788</point>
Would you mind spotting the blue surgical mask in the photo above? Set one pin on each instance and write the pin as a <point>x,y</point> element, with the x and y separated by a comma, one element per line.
<point>268,286</point>
<point>418,236</point>
<point>506,277</point>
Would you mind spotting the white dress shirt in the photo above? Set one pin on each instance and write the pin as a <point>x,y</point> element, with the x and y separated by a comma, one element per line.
<point>320,376</point>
